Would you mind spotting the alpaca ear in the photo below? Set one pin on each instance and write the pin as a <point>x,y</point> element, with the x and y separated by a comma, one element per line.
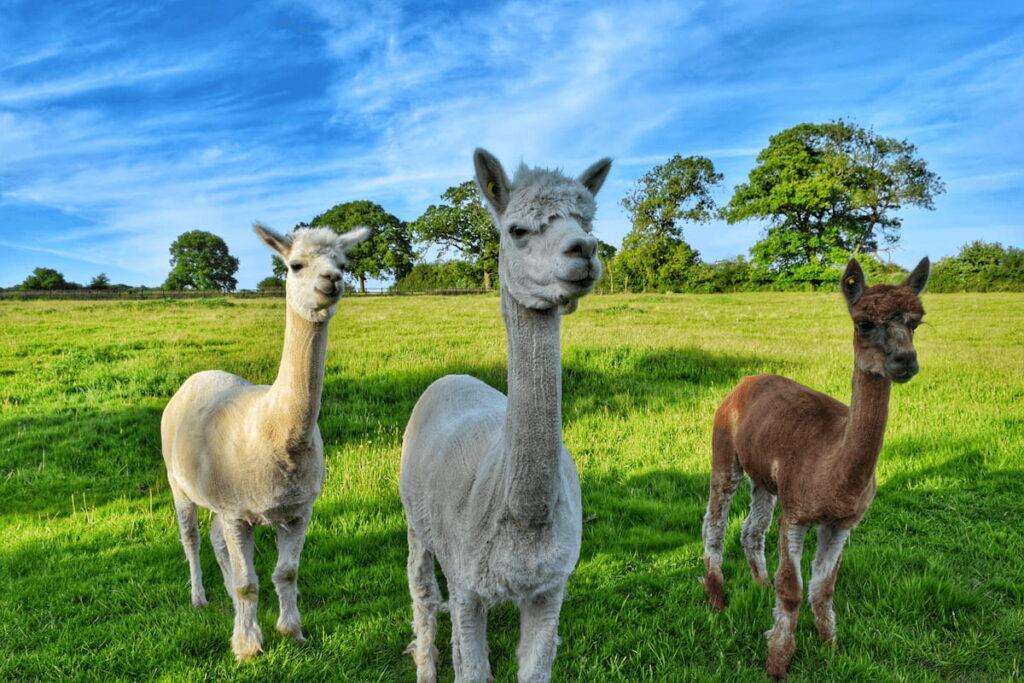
<point>282,244</point>
<point>491,179</point>
<point>593,178</point>
<point>852,283</point>
<point>918,279</point>
<point>352,238</point>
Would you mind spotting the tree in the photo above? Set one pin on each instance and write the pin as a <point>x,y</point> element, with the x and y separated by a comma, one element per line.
<point>46,278</point>
<point>270,284</point>
<point>101,281</point>
<point>388,251</point>
<point>462,223</point>
<point>200,260</point>
<point>443,275</point>
<point>654,254</point>
<point>980,267</point>
<point>829,190</point>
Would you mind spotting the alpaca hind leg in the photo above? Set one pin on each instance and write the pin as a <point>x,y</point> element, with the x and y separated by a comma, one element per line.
<point>247,640</point>
<point>469,639</point>
<point>425,600</point>
<point>726,474</point>
<point>538,635</point>
<point>290,539</point>
<point>220,551</point>
<point>188,525</point>
<point>755,528</point>
<point>788,594</point>
<point>824,570</point>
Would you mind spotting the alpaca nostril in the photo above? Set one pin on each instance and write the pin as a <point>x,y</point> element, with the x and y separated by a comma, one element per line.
<point>582,247</point>
<point>333,276</point>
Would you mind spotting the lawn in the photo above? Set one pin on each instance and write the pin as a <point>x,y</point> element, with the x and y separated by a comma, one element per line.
<point>95,586</point>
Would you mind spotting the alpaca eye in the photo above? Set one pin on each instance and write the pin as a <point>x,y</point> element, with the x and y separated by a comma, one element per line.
<point>518,231</point>
<point>865,326</point>
<point>296,267</point>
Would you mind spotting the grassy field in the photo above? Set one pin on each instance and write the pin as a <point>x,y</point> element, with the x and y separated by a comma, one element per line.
<point>95,585</point>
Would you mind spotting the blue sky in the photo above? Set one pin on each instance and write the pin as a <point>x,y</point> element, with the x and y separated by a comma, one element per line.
<point>123,125</point>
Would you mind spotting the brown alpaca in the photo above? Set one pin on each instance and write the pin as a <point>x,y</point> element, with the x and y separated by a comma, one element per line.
<point>816,454</point>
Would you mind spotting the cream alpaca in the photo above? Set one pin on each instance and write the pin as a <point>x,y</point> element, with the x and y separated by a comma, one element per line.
<point>253,454</point>
<point>487,485</point>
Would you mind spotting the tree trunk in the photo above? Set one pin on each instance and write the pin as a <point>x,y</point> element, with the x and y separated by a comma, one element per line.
<point>362,284</point>
<point>487,280</point>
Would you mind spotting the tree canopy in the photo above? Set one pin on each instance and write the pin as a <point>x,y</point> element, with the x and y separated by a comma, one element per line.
<point>388,251</point>
<point>829,190</point>
<point>654,254</point>
<point>46,278</point>
<point>200,260</point>
<point>101,281</point>
<point>462,223</point>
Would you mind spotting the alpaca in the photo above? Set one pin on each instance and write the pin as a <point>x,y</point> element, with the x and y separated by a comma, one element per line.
<point>487,485</point>
<point>816,454</point>
<point>253,454</point>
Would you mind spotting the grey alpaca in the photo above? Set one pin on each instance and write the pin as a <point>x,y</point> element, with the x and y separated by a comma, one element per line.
<point>487,485</point>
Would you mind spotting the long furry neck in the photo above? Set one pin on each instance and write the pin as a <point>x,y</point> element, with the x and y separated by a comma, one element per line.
<point>295,394</point>
<point>533,423</point>
<point>865,430</point>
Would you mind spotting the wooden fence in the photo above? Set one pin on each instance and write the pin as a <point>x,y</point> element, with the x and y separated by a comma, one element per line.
<point>133,294</point>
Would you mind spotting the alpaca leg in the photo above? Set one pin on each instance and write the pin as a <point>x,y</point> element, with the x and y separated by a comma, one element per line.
<point>290,539</point>
<point>247,640</point>
<point>188,525</point>
<point>788,594</point>
<point>755,528</point>
<point>824,570</point>
<point>425,600</point>
<point>469,639</point>
<point>220,550</point>
<point>726,474</point>
<point>538,635</point>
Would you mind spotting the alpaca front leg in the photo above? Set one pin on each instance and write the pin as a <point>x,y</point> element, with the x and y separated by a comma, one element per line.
<point>755,528</point>
<point>716,523</point>
<point>247,640</point>
<point>290,539</point>
<point>788,594</point>
<point>425,600</point>
<point>469,639</point>
<point>824,570</point>
<point>538,635</point>
<point>188,525</point>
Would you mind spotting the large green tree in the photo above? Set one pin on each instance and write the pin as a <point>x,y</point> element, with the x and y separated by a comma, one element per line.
<point>829,190</point>
<point>387,253</point>
<point>462,223</point>
<point>200,260</point>
<point>46,278</point>
<point>654,254</point>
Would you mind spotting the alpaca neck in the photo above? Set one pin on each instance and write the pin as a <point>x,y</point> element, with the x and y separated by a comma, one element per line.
<point>533,423</point>
<point>862,441</point>
<point>295,394</point>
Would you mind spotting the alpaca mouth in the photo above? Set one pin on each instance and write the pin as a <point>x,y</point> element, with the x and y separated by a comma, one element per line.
<point>577,287</point>
<point>331,293</point>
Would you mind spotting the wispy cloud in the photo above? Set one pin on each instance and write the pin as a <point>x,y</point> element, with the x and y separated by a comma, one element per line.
<point>143,126</point>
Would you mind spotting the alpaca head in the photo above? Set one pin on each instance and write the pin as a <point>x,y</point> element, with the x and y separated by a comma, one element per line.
<point>315,258</point>
<point>547,257</point>
<point>885,317</point>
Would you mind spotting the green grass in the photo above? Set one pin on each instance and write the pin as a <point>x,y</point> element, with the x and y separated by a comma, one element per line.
<point>95,586</point>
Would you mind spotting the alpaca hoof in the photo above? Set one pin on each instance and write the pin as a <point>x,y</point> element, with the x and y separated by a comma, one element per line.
<point>715,589</point>
<point>199,602</point>
<point>246,645</point>
<point>293,631</point>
